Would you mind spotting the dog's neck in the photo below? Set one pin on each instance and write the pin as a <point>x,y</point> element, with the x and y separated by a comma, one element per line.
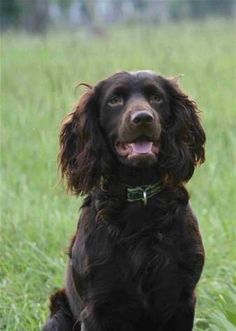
<point>132,184</point>
<point>131,176</point>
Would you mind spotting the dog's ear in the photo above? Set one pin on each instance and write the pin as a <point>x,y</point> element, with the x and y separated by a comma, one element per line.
<point>82,145</point>
<point>183,144</point>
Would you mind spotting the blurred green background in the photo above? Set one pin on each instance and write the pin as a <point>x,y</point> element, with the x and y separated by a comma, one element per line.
<point>39,69</point>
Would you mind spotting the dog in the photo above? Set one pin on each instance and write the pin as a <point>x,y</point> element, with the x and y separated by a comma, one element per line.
<point>129,146</point>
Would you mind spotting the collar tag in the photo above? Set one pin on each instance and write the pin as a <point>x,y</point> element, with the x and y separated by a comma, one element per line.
<point>144,197</point>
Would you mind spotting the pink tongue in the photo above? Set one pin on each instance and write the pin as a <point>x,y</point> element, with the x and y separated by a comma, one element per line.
<point>142,147</point>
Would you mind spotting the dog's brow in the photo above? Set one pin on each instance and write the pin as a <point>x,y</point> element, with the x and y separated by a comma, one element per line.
<point>150,85</point>
<point>119,89</point>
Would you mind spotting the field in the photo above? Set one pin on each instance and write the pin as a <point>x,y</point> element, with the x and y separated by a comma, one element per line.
<point>38,217</point>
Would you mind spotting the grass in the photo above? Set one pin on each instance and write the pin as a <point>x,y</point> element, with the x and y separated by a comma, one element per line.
<point>38,218</point>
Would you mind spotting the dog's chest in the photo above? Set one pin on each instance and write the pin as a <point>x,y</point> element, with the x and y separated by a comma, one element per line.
<point>151,255</point>
<point>152,269</point>
<point>151,251</point>
<point>138,263</point>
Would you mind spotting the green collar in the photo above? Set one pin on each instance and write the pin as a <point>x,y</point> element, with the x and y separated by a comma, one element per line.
<point>133,193</point>
<point>143,192</point>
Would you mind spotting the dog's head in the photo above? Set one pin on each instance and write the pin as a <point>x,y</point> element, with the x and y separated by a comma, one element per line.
<point>138,119</point>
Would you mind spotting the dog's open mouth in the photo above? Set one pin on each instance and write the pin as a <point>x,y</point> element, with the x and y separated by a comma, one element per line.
<point>142,147</point>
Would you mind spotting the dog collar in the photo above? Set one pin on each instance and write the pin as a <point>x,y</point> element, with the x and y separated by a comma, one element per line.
<point>136,193</point>
<point>143,192</point>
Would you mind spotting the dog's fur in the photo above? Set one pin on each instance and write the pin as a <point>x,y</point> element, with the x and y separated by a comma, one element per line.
<point>131,266</point>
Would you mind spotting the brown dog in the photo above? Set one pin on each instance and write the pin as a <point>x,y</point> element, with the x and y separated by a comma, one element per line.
<point>131,143</point>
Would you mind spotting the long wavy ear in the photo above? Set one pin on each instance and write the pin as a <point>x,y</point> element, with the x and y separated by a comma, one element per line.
<point>82,145</point>
<point>183,138</point>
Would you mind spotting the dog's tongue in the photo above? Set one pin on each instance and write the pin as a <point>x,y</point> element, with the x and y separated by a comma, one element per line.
<point>142,147</point>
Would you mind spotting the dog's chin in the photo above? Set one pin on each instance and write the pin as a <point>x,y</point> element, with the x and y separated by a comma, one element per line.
<point>141,161</point>
<point>141,154</point>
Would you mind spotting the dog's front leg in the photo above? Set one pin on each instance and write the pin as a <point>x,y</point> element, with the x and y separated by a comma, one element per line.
<point>61,318</point>
<point>107,322</point>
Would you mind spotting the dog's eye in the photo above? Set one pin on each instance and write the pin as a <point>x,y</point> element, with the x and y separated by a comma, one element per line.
<point>116,100</point>
<point>155,98</point>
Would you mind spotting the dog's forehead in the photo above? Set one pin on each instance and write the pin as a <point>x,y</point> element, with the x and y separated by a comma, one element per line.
<point>141,73</point>
<point>129,77</point>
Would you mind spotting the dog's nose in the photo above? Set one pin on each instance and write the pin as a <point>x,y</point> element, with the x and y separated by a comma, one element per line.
<point>141,117</point>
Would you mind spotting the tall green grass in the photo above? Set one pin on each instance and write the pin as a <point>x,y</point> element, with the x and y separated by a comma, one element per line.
<point>38,218</point>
